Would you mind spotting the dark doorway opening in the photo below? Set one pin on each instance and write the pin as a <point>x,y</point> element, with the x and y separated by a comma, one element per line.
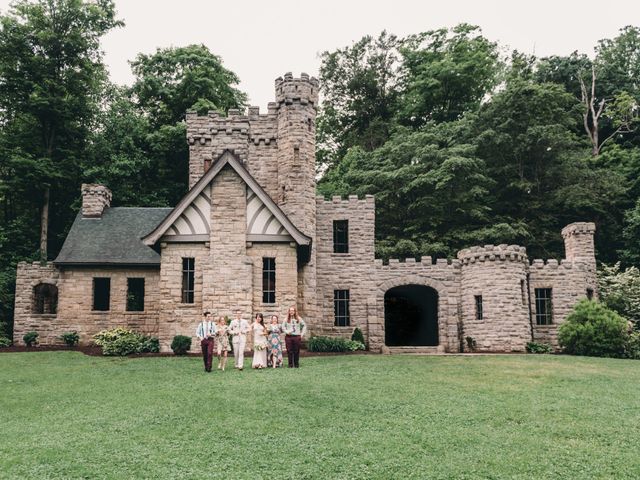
<point>411,316</point>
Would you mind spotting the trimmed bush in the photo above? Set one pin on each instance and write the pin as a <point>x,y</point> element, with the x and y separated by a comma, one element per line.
<point>5,342</point>
<point>333,344</point>
<point>30,338</point>
<point>181,344</point>
<point>535,347</point>
<point>70,339</point>
<point>120,341</point>
<point>357,336</point>
<point>594,330</point>
<point>471,343</point>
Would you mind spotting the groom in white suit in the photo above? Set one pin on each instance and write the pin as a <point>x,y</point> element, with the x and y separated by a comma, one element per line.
<point>238,328</point>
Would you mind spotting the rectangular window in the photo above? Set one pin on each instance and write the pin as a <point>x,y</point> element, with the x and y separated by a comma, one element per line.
<point>341,236</point>
<point>341,308</point>
<point>544,306</point>
<point>101,294</point>
<point>523,290</point>
<point>135,294</point>
<point>188,279</point>
<point>479,314</point>
<point>268,280</point>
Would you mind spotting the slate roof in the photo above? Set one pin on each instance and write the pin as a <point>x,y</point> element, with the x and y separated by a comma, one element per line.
<point>113,239</point>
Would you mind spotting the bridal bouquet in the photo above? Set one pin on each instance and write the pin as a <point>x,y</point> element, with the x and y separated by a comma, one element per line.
<point>259,347</point>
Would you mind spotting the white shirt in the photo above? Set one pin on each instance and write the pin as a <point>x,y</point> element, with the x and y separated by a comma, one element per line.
<point>239,327</point>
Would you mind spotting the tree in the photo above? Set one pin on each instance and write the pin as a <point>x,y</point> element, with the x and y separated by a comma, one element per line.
<point>174,80</point>
<point>359,84</point>
<point>167,84</point>
<point>622,112</point>
<point>51,75</point>
<point>447,73</point>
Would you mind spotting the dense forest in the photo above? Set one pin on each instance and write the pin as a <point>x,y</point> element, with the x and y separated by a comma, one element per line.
<point>461,141</point>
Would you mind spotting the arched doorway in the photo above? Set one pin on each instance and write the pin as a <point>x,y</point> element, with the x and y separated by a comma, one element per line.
<point>411,316</point>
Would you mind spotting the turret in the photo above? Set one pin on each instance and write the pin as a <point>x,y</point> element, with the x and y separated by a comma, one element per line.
<point>578,242</point>
<point>495,308</point>
<point>297,101</point>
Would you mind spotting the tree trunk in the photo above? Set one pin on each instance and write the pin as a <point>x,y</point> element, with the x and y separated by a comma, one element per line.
<point>44,225</point>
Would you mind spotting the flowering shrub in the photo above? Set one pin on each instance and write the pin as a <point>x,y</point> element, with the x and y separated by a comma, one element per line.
<point>120,341</point>
<point>334,344</point>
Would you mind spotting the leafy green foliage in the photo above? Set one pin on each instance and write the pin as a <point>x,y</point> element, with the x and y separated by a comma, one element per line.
<point>620,290</point>
<point>181,344</point>
<point>471,344</point>
<point>5,341</point>
<point>30,338</point>
<point>357,336</point>
<point>535,347</point>
<point>593,329</point>
<point>120,341</point>
<point>333,344</point>
<point>70,339</point>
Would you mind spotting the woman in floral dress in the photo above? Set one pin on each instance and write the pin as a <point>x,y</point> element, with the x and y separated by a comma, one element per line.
<point>274,344</point>
<point>259,342</point>
<point>222,342</point>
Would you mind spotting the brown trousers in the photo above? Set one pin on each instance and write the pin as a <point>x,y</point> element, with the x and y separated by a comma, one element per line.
<point>207,353</point>
<point>293,349</point>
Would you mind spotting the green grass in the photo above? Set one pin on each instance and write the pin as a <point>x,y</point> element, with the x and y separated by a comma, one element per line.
<point>66,415</point>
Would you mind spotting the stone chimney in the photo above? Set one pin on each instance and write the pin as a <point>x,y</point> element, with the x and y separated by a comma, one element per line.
<point>95,199</point>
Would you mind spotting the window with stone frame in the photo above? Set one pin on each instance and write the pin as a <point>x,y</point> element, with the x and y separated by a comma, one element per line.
<point>478,303</point>
<point>45,299</point>
<point>188,279</point>
<point>268,280</point>
<point>544,306</point>
<point>341,308</point>
<point>101,294</point>
<point>135,294</point>
<point>341,236</point>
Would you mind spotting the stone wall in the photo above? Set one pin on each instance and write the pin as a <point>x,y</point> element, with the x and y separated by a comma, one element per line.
<point>75,302</point>
<point>498,274</point>
<point>569,282</point>
<point>443,276</point>
<point>345,271</point>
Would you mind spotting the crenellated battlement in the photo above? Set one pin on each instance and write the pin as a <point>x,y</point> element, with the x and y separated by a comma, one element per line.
<point>412,263</point>
<point>302,90</point>
<point>350,200</point>
<point>490,253</point>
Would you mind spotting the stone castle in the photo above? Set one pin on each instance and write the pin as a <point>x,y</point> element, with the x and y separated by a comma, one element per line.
<point>252,234</point>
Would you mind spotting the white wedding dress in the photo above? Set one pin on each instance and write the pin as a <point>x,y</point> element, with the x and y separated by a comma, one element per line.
<point>259,346</point>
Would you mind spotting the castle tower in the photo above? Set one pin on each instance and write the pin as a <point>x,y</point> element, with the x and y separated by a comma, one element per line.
<point>297,101</point>
<point>495,308</point>
<point>578,242</point>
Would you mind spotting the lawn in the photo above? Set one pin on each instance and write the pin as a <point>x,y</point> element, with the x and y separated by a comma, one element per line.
<point>67,415</point>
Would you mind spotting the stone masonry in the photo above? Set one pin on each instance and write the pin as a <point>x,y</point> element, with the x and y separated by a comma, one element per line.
<point>277,148</point>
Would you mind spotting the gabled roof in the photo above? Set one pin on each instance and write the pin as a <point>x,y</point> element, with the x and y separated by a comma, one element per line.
<point>227,158</point>
<point>113,239</point>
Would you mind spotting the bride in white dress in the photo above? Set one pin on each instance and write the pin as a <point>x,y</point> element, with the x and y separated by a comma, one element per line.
<point>259,342</point>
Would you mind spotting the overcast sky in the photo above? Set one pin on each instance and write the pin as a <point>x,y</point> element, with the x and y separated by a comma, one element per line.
<point>262,39</point>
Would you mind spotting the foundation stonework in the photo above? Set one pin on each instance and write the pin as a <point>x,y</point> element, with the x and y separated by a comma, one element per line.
<point>243,156</point>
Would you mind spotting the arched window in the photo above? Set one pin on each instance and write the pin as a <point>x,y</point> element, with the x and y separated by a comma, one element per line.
<point>45,299</point>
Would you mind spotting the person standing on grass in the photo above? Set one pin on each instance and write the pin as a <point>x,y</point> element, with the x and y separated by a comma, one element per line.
<point>222,342</point>
<point>205,332</point>
<point>238,328</point>
<point>259,342</point>
<point>294,329</point>
<point>274,344</point>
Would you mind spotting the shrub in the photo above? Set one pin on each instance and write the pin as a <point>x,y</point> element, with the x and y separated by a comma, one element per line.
<point>595,330</point>
<point>471,343</point>
<point>334,344</point>
<point>357,336</point>
<point>120,341</point>
<point>30,338</point>
<point>70,339</point>
<point>5,342</point>
<point>181,344</point>
<point>535,347</point>
<point>620,290</point>
<point>632,349</point>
